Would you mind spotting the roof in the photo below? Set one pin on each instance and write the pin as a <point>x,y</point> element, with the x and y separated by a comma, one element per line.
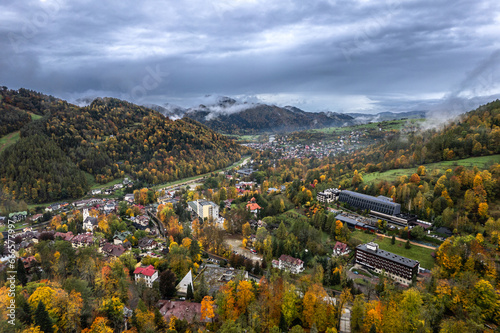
<point>389,256</point>
<point>291,260</point>
<point>146,271</point>
<point>380,198</point>
<point>253,206</point>
<point>112,249</point>
<point>185,282</point>
<point>340,246</point>
<point>182,310</point>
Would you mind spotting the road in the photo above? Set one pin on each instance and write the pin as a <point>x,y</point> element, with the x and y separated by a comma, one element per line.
<point>245,161</point>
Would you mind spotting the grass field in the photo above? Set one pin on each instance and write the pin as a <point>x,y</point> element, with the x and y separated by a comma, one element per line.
<point>422,254</point>
<point>8,140</point>
<point>482,162</point>
<point>34,116</point>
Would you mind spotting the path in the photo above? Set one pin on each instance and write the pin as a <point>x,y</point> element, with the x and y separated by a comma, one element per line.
<point>412,243</point>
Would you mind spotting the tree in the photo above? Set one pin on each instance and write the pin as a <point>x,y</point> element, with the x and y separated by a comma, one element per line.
<point>407,245</point>
<point>246,229</point>
<point>207,308</point>
<point>168,284</point>
<point>393,240</point>
<point>100,325</point>
<point>356,179</point>
<point>21,272</point>
<point>189,293</point>
<point>42,318</point>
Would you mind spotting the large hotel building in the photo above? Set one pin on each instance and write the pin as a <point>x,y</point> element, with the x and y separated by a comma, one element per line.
<point>399,268</point>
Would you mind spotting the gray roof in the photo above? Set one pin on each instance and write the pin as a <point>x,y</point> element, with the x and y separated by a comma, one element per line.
<point>380,199</point>
<point>389,256</point>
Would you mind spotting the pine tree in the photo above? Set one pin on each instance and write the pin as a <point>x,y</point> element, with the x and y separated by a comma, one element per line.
<point>42,319</point>
<point>160,323</point>
<point>189,293</point>
<point>373,329</point>
<point>393,240</point>
<point>407,245</point>
<point>21,272</point>
<point>201,290</point>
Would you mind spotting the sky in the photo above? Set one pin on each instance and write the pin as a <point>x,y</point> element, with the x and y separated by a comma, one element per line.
<point>343,56</point>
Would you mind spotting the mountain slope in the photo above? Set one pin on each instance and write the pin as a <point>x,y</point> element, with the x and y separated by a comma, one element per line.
<point>230,117</point>
<point>111,138</point>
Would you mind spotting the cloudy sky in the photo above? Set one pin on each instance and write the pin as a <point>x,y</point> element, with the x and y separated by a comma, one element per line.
<point>345,56</point>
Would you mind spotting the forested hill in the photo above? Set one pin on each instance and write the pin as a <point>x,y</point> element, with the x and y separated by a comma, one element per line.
<point>476,133</point>
<point>108,139</point>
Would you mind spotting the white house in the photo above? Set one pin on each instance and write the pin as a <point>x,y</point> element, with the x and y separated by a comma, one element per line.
<point>291,264</point>
<point>148,274</point>
<point>341,249</point>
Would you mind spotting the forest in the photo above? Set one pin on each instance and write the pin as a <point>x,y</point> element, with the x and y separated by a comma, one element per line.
<point>107,139</point>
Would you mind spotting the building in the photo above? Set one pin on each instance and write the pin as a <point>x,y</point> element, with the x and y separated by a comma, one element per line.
<point>89,222</point>
<point>112,250</point>
<point>328,195</point>
<point>148,274</point>
<point>246,172</point>
<point>399,268</point>
<point>291,264</point>
<point>182,287</point>
<point>341,249</point>
<point>129,198</point>
<point>357,222</point>
<point>204,209</point>
<point>253,206</point>
<point>182,310</point>
<point>378,204</point>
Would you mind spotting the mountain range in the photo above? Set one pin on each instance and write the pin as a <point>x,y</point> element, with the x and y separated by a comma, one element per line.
<point>228,116</point>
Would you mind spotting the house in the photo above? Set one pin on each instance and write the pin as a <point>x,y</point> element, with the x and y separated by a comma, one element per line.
<point>67,236</point>
<point>182,287</point>
<point>29,262</point>
<point>119,237</point>
<point>142,220</point>
<point>83,240</point>
<point>112,250</point>
<point>340,249</point>
<point>148,274</point>
<point>147,243</point>
<point>36,217</point>
<point>182,310</point>
<point>81,203</point>
<point>96,191</point>
<point>129,198</point>
<point>253,206</point>
<point>89,222</point>
<point>117,186</point>
<point>18,216</point>
<point>110,207</point>
<point>246,172</point>
<point>291,264</point>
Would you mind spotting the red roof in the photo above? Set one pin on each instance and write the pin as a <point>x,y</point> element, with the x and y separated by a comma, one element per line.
<point>340,246</point>
<point>253,206</point>
<point>147,271</point>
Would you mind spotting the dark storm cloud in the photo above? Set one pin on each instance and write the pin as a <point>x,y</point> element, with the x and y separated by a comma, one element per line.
<point>337,55</point>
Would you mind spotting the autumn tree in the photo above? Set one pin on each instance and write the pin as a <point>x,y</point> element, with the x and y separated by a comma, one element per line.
<point>207,308</point>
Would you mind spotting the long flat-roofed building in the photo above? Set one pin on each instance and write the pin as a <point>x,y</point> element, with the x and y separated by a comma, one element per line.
<point>379,204</point>
<point>399,268</point>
